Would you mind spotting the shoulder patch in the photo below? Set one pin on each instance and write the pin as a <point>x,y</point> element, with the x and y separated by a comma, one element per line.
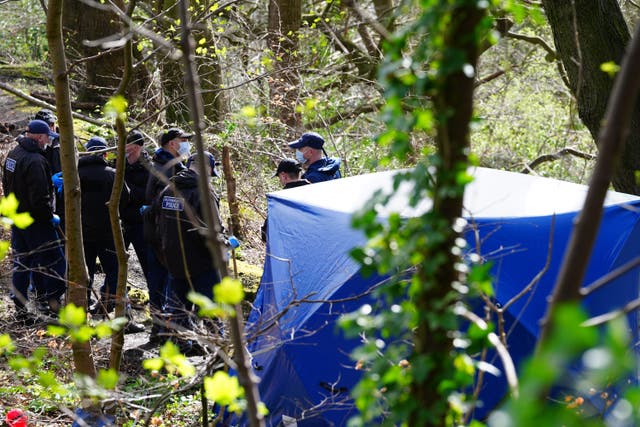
<point>172,203</point>
<point>10,164</point>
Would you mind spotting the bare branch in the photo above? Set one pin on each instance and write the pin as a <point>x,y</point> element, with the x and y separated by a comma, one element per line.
<point>505,357</point>
<point>556,156</point>
<point>612,275</point>
<point>39,103</point>
<point>533,40</point>
<point>604,318</point>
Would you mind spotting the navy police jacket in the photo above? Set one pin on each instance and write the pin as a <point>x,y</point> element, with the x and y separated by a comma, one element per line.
<point>181,247</point>
<point>325,169</point>
<point>136,176</point>
<point>96,183</point>
<point>27,174</point>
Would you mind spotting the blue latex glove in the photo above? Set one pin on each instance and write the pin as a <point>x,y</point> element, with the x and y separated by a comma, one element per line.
<point>57,181</point>
<point>55,220</point>
<point>143,208</point>
<point>233,242</point>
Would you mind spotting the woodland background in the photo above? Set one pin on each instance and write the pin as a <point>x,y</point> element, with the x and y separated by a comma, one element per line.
<point>272,70</point>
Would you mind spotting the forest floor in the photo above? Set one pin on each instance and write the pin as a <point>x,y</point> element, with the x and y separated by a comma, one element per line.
<point>139,390</point>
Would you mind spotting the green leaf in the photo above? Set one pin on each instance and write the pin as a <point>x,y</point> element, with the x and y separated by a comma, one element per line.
<point>22,220</point>
<point>153,364</point>
<point>611,68</point>
<point>56,330</point>
<point>71,316</point>
<point>82,334</point>
<point>8,205</point>
<point>4,247</point>
<point>223,389</point>
<point>229,291</point>
<point>6,344</point>
<point>108,378</point>
<point>116,107</point>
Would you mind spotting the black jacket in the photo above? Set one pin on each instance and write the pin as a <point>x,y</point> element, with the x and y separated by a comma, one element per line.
<point>52,154</point>
<point>27,174</point>
<point>136,176</point>
<point>163,162</point>
<point>181,246</point>
<point>96,183</point>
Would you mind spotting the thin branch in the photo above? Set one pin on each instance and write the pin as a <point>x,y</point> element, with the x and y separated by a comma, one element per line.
<point>489,78</point>
<point>39,103</point>
<point>538,276</point>
<point>533,40</point>
<point>604,318</point>
<point>557,156</point>
<point>612,275</point>
<point>505,357</point>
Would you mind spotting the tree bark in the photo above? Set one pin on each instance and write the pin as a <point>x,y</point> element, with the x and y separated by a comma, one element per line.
<point>232,199</point>
<point>101,74</point>
<point>588,33</point>
<point>77,276</point>
<point>211,215</point>
<point>117,339</point>
<point>453,102</point>
<point>285,18</point>
<point>613,134</point>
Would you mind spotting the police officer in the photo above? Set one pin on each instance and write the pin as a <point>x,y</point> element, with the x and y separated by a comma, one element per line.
<point>136,176</point>
<point>37,249</point>
<point>96,184</point>
<point>52,151</point>
<point>289,174</point>
<point>310,153</point>
<point>181,245</point>
<point>174,144</point>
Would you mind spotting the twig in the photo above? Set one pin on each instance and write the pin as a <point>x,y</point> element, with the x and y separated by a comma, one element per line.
<point>556,156</point>
<point>43,104</point>
<point>533,40</point>
<point>507,362</point>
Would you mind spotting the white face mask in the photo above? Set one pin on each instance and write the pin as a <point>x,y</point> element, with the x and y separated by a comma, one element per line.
<point>185,148</point>
<point>300,157</point>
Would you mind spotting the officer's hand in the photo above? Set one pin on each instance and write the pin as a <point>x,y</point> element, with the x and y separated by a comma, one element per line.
<point>55,220</point>
<point>57,181</point>
<point>143,208</point>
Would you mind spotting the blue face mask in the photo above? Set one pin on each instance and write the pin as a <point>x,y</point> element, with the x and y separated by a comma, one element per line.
<point>185,148</point>
<point>300,157</point>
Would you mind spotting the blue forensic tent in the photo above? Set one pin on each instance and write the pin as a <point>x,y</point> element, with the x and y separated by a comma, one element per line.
<point>309,280</point>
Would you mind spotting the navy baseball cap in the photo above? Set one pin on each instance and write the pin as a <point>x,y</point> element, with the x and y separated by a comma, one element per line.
<point>172,134</point>
<point>46,116</point>
<point>135,137</point>
<point>96,143</point>
<point>41,127</point>
<point>288,166</point>
<point>309,139</point>
<point>212,162</point>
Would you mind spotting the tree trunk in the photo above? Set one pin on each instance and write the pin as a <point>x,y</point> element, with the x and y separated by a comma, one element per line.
<point>285,18</point>
<point>211,216</point>
<point>454,104</point>
<point>101,73</point>
<point>117,339</point>
<point>214,100</point>
<point>614,132</point>
<point>588,33</point>
<point>232,199</point>
<point>78,279</point>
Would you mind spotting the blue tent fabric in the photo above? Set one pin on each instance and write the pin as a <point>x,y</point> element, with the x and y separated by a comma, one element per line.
<point>309,279</point>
